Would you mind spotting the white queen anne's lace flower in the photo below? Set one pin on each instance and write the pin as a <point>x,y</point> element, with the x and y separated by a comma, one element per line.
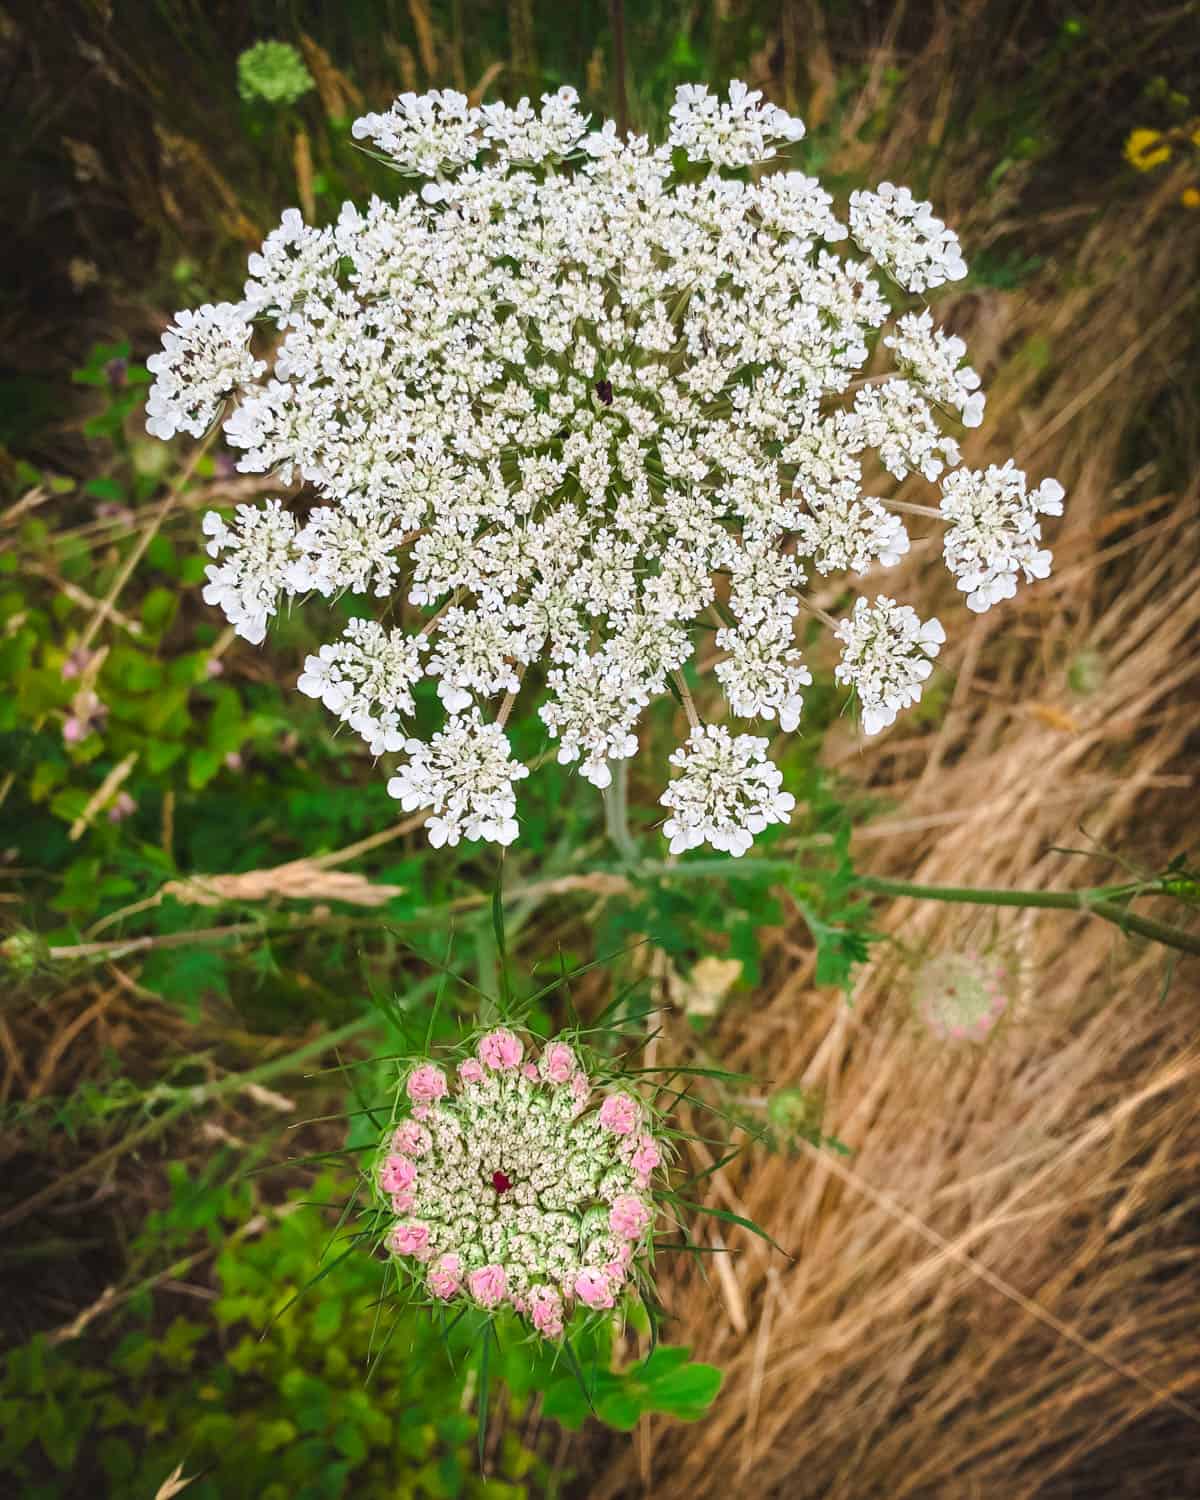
<point>366,680</point>
<point>727,791</point>
<point>465,775</point>
<point>259,561</point>
<point>205,357</point>
<point>520,1187</point>
<point>933,358</point>
<point>887,659</point>
<point>905,238</point>
<point>563,410</point>
<point>732,134</point>
<point>994,530</point>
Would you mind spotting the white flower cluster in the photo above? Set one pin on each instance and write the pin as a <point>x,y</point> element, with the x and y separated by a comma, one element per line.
<point>518,1189</point>
<point>904,237</point>
<point>366,680</point>
<point>732,134</point>
<point>570,416</point>
<point>887,659</point>
<point>933,358</point>
<point>726,792</point>
<point>205,358</point>
<point>465,775</point>
<point>994,530</point>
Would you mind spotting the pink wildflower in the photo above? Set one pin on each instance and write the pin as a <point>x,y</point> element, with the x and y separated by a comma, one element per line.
<point>593,1287</point>
<point>620,1114</point>
<point>547,1311</point>
<point>471,1071</point>
<point>646,1157</point>
<point>628,1216</point>
<point>426,1084</point>
<point>530,1071</point>
<point>410,1239</point>
<point>122,805</point>
<point>445,1276</point>
<point>397,1174</point>
<point>76,664</point>
<point>558,1063</point>
<point>487,1285</point>
<point>500,1049</point>
<point>411,1139</point>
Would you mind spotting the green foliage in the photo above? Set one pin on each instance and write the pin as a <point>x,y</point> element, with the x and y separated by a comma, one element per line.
<point>266,1398</point>
<point>274,73</point>
<point>668,1381</point>
<point>293,1386</point>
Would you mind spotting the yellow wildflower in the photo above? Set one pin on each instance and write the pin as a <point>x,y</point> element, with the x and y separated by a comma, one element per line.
<point>1141,151</point>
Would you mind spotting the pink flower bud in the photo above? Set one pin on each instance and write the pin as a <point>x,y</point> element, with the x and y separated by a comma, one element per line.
<point>410,1239</point>
<point>397,1174</point>
<point>471,1071</point>
<point>592,1287</point>
<point>629,1216</point>
<point>646,1157</point>
<point>500,1050</point>
<point>411,1139</point>
<point>487,1285</point>
<point>426,1084</point>
<point>620,1113</point>
<point>547,1311</point>
<point>557,1063</point>
<point>445,1276</point>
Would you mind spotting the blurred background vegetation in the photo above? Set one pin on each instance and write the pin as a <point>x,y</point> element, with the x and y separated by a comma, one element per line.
<point>206,899</point>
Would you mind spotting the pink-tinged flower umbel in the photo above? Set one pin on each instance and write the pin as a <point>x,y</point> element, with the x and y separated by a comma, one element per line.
<point>509,1191</point>
<point>620,1113</point>
<point>594,1288</point>
<point>629,1216</point>
<point>645,1158</point>
<point>547,1311</point>
<point>445,1276</point>
<point>426,1084</point>
<point>500,1050</point>
<point>410,1239</point>
<point>397,1174</point>
<point>411,1139</point>
<point>558,1062</point>
<point>487,1285</point>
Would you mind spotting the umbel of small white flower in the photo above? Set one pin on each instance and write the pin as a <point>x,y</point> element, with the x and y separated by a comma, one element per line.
<point>566,408</point>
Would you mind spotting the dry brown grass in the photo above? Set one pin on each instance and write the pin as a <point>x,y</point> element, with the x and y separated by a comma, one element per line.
<point>997,1294</point>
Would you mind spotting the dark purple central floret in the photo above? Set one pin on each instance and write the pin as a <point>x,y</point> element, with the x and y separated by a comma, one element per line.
<point>500,1182</point>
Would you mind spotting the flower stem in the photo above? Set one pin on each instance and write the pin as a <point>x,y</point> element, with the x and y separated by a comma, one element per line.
<point>1107,902</point>
<point>616,812</point>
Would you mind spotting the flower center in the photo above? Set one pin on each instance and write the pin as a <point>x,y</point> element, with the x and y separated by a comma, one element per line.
<point>500,1182</point>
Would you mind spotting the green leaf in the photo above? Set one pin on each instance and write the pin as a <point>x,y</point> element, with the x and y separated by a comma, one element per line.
<point>159,608</point>
<point>686,1392</point>
<point>202,766</point>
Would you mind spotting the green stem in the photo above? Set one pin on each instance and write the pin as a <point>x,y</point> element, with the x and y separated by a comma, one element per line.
<point>1099,901</point>
<point>616,812</point>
